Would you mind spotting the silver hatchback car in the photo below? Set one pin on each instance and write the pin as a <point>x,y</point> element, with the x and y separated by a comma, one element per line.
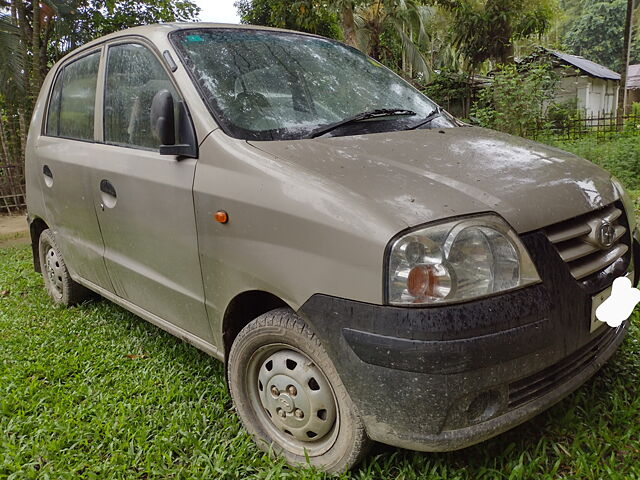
<point>367,267</point>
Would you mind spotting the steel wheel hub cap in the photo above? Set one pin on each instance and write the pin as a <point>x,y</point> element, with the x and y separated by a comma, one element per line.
<point>54,270</point>
<point>296,396</point>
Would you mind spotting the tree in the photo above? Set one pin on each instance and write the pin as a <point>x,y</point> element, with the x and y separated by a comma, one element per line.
<point>35,34</point>
<point>406,18</point>
<point>10,58</point>
<point>347,10</point>
<point>597,34</point>
<point>311,16</point>
<point>625,54</point>
<point>12,89</point>
<point>514,103</point>
<point>363,24</point>
<point>486,30</point>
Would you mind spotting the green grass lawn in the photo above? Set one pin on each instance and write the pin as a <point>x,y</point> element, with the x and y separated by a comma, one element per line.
<point>620,155</point>
<point>95,392</point>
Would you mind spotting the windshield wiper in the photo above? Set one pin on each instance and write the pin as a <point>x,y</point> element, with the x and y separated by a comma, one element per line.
<point>381,112</point>
<point>429,118</point>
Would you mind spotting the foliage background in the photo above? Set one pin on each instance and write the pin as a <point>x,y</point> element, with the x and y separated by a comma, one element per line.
<point>596,33</point>
<point>515,102</point>
<point>439,45</point>
<point>95,392</point>
<point>34,35</point>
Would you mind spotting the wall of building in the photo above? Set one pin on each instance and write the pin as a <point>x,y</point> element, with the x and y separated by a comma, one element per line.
<point>595,96</point>
<point>603,97</point>
<point>633,96</point>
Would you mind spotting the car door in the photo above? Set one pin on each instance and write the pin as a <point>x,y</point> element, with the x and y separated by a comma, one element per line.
<point>66,154</point>
<point>144,200</point>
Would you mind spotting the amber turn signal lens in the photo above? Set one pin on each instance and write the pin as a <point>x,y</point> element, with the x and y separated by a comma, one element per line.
<point>421,281</point>
<point>221,216</point>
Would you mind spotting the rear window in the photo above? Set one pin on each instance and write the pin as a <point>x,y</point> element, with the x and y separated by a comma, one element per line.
<point>72,104</point>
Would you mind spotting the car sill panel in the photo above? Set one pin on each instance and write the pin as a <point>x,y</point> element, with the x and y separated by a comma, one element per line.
<point>154,319</point>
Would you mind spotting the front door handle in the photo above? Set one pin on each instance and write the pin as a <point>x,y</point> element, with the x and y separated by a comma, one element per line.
<point>107,194</point>
<point>107,187</point>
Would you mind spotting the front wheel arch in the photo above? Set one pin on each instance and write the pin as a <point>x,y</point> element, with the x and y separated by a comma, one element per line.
<point>243,309</point>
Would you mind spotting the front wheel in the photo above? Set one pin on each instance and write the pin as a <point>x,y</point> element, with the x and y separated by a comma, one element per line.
<point>289,395</point>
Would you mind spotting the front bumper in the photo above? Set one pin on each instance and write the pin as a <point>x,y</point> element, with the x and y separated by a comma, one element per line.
<point>445,377</point>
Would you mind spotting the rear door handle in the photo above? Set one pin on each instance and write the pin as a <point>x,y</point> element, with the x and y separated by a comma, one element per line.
<point>48,176</point>
<point>107,187</point>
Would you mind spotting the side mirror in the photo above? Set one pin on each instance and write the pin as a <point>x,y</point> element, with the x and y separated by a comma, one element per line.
<point>163,124</point>
<point>162,120</point>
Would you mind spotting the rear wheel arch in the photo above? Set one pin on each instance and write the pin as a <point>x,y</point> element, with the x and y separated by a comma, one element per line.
<point>36,227</point>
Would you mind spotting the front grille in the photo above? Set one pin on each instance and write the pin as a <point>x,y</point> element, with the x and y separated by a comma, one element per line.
<point>579,243</point>
<point>536,385</point>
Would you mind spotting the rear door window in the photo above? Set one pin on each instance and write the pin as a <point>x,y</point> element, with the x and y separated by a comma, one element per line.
<point>72,105</point>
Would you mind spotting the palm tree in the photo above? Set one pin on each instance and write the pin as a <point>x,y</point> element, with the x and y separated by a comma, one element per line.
<point>12,72</point>
<point>12,89</point>
<point>11,58</point>
<point>364,22</point>
<point>346,10</point>
<point>427,37</point>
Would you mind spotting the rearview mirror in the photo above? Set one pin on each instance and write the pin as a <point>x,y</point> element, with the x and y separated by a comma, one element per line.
<point>163,124</point>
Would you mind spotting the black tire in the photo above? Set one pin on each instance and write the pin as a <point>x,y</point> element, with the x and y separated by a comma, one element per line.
<point>57,281</point>
<point>281,334</point>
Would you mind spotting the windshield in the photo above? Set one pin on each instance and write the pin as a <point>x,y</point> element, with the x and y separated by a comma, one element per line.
<point>266,85</point>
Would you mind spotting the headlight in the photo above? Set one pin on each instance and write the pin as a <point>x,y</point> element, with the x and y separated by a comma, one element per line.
<point>626,201</point>
<point>457,260</point>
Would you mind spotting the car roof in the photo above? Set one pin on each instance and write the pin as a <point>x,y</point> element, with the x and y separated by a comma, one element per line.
<point>159,31</point>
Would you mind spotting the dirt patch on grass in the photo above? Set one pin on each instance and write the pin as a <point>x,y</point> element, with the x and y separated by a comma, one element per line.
<point>13,230</point>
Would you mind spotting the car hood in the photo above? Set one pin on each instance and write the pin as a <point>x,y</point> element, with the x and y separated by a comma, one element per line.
<point>419,176</point>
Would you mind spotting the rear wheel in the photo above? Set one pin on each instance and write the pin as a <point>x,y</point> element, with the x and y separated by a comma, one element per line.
<point>60,287</point>
<point>289,395</point>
